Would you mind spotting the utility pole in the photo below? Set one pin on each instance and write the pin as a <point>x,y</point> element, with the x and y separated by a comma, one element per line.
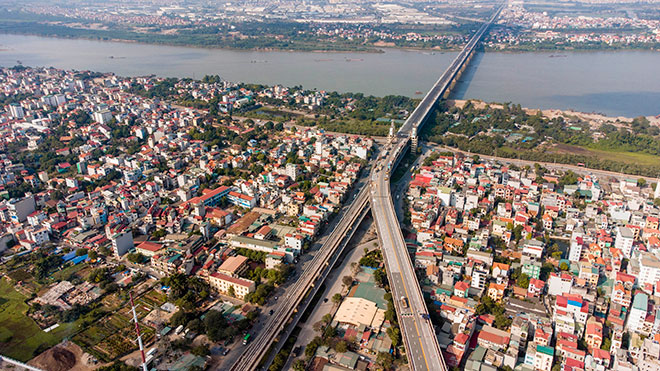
<point>137,330</point>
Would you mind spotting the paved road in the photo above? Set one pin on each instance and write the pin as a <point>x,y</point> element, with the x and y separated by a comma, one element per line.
<point>286,311</point>
<point>333,285</point>
<point>548,165</point>
<point>418,333</point>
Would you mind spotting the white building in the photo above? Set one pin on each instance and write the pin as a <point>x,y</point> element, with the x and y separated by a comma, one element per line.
<point>624,240</point>
<point>19,209</point>
<point>38,235</point>
<point>222,283</point>
<point>559,283</point>
<point>649,268</point>
<point>292,171</point>
<point>544,357</point>
<point>533,248</point>
<point>122,242</point>
<point>16,111</point>
<point>637,312</point>
<point>294,241</point>
<point>575,252</point>
<point>102,116</point>
<point>479,279</point>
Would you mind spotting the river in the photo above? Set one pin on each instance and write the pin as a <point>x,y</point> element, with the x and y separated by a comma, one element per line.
<point>623,83</point>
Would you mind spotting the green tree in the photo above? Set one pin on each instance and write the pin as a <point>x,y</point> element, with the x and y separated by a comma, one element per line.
<point>98,275</point>
<point>231,292</point>
<point>337,298</point>
<point>158,234</point>
<point>395,335</point>
<point>180,318</point>
<point>380,276</point>
<point>118,366</point>
<point>136,258</point>
<point>341,346</point>
<point>201,351</point>
<point>385,360</point>
<point>607,343</point>
<point>523,281</point>
<point>216,325</point>
<point>310,349</point>
<point>329,332</point>
<point>185,290</point>
<point>299,365</point>
<point>347,281</point>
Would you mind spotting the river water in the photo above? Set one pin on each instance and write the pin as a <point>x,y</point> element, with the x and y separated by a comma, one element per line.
<point>615,83</point>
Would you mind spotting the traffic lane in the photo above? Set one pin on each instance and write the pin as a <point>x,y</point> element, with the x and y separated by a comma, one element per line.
<point>415,340</point>
<point>307,332</point>
<point>302,284</point>
<point>410,322</point>
<point>417,306</point>
<point>307,279</point>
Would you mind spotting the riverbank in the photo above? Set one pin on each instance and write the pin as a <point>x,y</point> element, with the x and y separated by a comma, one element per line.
<point>594,119</point>
<point>621,83</point>
<point>272,44</point>
<point>591,140</point>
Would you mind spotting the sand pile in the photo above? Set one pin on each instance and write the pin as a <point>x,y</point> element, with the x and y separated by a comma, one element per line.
<point>56,358</point>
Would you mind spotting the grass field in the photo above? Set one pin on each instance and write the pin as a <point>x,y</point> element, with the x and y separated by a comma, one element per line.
<point>22,333</point>
<point>627,157</point>
<point>624,157</point>
<point>68,271</point>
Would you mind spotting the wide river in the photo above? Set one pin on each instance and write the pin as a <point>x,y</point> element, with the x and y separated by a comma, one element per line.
<point>623,83</point>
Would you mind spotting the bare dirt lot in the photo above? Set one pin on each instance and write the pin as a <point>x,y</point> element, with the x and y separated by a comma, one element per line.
<point>64,357</point>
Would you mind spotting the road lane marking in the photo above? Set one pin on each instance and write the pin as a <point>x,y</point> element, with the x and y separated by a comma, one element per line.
<point>389,231</point>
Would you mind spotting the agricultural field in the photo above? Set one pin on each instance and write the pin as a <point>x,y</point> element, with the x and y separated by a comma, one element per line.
<point>23,282</point>
<point>20,337</point>
<point>114,335</point>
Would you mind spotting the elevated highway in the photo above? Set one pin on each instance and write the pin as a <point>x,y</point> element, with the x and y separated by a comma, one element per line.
<point>418,334</point>
<point>417,331</point>
<point>298,297</point>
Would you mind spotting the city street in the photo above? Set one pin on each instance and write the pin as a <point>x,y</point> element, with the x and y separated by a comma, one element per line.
<point>333,285</point>
<point>304,263</point>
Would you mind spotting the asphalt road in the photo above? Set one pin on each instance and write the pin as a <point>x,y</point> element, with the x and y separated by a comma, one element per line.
<point>418,332</point>
<point>333,285</point>
<point>311,266</point>
<point>548,165</point>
